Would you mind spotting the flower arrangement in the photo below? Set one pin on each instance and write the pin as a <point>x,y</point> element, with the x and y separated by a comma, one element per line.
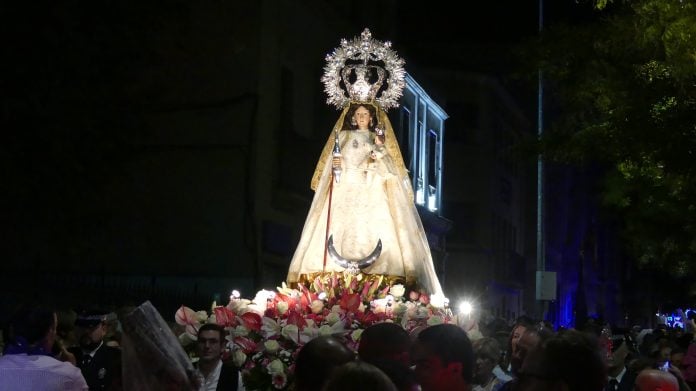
<point>266,333</point>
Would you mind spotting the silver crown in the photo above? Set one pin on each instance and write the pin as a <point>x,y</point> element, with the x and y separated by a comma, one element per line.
<point>369,59</point>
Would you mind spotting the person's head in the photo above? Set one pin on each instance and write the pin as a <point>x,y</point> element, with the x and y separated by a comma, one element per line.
<point>362,116</point>
<point>566,361</point>
<point>34,324</point>
<point>358,375</point>
<point>210,342</point>
<point>663,354</point>
<point>676,357</point>
<point>616,361</point>
<point>522,324</point>
<point>525,344</point>
<point>91,327</point>
<point>316,359</point>
<point>655,380</point>
<point>384,340</point>
<point>444,358</point>
<point>400,374</point>
<point>487,353</point>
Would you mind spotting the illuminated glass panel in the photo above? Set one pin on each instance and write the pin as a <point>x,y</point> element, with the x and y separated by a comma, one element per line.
<point>425,121</point>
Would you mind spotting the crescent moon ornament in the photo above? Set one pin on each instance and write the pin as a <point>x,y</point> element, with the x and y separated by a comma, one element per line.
<point>354,266</point>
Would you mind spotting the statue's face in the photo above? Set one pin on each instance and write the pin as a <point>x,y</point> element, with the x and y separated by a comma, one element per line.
<point>362,117</point>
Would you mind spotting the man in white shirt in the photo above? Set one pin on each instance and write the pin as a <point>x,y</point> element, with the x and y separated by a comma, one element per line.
<point>217,375</point>
<point>27,364</point>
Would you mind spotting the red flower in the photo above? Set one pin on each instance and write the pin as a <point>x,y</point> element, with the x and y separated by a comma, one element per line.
<point>353,284</point>
<point>252,321</point>
<point>224,317</point>
<point>366,289</point>
<point>271,313</point>
<point>317,318</point>
<point>290,300</point>
<point>425,299</point>
<point>369,317</point>
<point>248,346</point>
<point>350,302</point>
<point>296,318</point>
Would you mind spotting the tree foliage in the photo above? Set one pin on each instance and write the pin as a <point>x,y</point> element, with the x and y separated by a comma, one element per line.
<point>621,91</point>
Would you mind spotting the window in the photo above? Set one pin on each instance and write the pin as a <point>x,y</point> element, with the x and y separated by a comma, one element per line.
<point>421,122</point>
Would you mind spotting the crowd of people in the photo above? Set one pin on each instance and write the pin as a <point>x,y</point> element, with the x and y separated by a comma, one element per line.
<point>90,351</point>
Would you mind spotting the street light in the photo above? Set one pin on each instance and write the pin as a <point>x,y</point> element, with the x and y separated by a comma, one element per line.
<point>465,308</point>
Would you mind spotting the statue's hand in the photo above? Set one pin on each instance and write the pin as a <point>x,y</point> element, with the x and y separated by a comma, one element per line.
<point>379,138</point>
<point>376,154</point>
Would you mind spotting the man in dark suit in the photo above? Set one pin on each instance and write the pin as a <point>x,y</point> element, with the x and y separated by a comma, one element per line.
<point>100,364</point>
<point>619,377</point>
<point>217,375</point>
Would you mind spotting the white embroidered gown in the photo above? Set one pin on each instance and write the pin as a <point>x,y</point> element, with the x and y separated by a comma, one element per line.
<point>369,203</point>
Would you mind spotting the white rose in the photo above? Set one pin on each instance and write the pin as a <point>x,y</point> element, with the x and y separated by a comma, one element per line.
<point>433,320</point>
<point>275,367</point>
<point>290,332</point>
<point>333,318</point>
<point>397,290</point>
<point>282,307</point>
<point>240,331</point>
<point>336,308</point>
<point>325,330</point>
<point>355,335</point>
<point>317,306</point>
<point>422,312</point>
<point>186,338</point>
<point>239,306</point>
<point>239,358</point>
<point>400,309</point>
<point>202,316</point>
<point>271,346</point>
<point>260,301</point>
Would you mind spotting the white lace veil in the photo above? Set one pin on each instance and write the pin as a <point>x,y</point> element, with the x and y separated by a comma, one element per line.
<point>153,358</point>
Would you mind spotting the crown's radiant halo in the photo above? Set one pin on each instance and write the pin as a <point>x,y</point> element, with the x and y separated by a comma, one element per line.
<point>362,60</point>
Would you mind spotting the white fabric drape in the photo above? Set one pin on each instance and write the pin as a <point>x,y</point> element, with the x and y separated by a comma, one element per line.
<point>372,201</point>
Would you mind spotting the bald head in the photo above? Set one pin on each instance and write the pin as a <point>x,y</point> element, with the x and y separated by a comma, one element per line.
<point>654,380</point>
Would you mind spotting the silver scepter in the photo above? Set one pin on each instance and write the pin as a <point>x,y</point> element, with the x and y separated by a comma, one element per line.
<point>336,154</point>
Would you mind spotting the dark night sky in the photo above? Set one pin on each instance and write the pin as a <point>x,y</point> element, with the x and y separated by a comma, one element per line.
<point>65,97</point>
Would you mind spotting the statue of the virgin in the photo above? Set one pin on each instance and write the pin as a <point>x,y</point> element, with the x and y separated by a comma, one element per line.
<point>363,218</point>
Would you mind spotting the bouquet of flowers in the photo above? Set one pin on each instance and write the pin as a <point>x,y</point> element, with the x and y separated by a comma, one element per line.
<point>267,332</point>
